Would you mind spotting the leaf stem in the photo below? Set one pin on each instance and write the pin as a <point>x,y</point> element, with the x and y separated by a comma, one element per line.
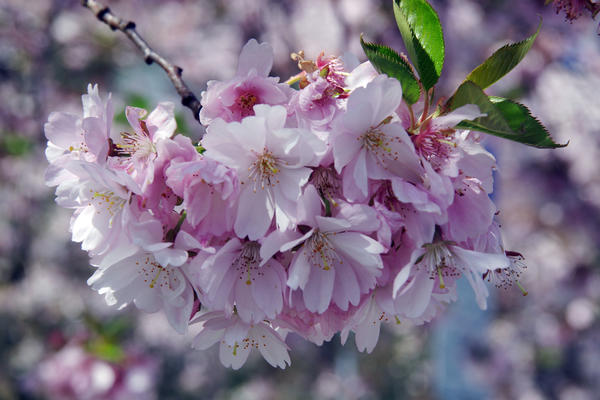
<point>425,108</point>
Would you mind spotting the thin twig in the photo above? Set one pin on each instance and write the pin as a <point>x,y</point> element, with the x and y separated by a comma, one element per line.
<point>103,13</point>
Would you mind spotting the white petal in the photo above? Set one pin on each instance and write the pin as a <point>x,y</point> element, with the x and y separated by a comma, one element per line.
<point>346,288</point>
<point>401,278</point>
<point>207,338</point>
<point>163,117</point>
<point>480,262</point>
<point>271,346</point>
<point>179,315</point>
<point>274,242</point>
<point>234,355</point>
<point>414,302</point>
<point>299,272</point>
<point>360,249</point>
<point>254,214</point>
<point>255,56</point>
<point>309,205</point>
<point>329,224</point>
<point>318,290</point>
<point>450,120</point>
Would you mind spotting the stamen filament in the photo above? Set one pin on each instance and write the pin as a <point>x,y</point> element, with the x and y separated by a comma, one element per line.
<point>442,284</point>
<point>525,292</point>
<point>153,283</point>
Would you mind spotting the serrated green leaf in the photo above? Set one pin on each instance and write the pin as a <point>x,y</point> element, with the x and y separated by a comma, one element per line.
<point>387,61</point>
<point>505,118</point>
<point>521,121</point>
<point>502,61</point>
<point>423,37</point>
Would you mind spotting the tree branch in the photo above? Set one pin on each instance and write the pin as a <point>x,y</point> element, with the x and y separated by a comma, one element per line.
<point>103,13</point>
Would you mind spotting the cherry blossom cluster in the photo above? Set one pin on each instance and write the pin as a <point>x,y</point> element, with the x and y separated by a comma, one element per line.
<point>320,205</point>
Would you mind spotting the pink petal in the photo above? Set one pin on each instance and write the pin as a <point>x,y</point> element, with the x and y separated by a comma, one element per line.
<point>450,120</point>
<point>299,272</point>
<point>346,289</point>
<point>255,56</point>
<point>318,290</point>
<point>163,117</point>
<point>254,215</point>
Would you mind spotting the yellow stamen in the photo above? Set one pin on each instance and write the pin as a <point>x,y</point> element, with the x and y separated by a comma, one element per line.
<point>325,263</point>
<point>447,142</point>
<point>249,280</point>
<point>442,284</point>
<point>155,279</point>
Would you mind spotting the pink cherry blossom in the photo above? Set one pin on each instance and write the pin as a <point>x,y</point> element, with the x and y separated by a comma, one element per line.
<point>321,91</point>
<point>366,324</point>
<point>314,327</point>
<point>101,200</point>
<point>368,143</point>
<point>158,196</point>
<point>337,262</point>
<point>150,277</point>
<point>71,137</point>
<point>209,191</point>
<point>325,210</point>
<point>440,263</point>
<point>136,151</point>
<point>237,339</point>
<point>234,278</point>
<point>272,165</point>
<point>235,99</point>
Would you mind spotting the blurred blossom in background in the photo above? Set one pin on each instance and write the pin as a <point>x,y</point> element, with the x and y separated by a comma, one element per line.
<point>60,341</point>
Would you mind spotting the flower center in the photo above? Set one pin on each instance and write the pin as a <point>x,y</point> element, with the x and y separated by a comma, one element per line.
<point>107,201</point>
<point>321,252</point>
<point>507,277</point>
<point>82,148</point>
<point>154,274</point>
<point>135,144</point>
<point>376,142</point>
<point>264,170</point>
<point>245,103</point>
<point>246,264</point>
<point>435,147</point>
<point>439,262</point>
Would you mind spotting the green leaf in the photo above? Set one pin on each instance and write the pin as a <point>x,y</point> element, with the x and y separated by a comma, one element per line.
<point>15,145</point>
<point>182,127</point>
<point>387,61</point>
<point>521,121</point>
<point>505,118</point>
<point>106,350</point>
<point>422,34</point>
<point>502,61</point>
